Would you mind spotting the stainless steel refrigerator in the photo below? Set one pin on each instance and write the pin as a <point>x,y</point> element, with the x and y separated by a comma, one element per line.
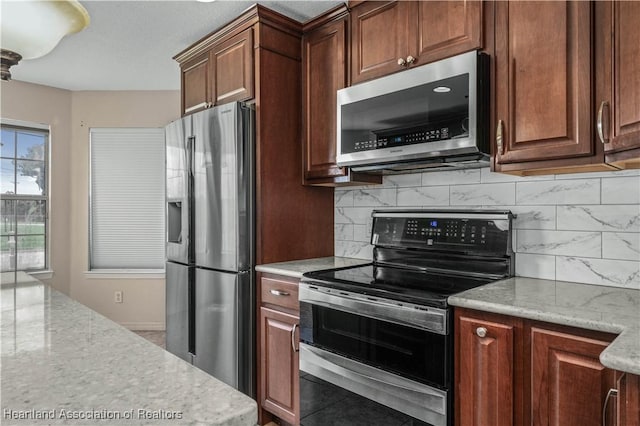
<point>210,301</point>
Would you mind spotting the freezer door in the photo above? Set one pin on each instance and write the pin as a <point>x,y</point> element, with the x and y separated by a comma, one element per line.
<point>224,330</point>
<point>178,202</point>
<point>222,189</point>
<point>178,319</point>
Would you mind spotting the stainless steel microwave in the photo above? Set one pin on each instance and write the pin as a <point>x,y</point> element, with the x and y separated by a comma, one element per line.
<point>430,116</point>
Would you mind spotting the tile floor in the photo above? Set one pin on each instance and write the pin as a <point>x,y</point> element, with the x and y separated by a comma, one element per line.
<point>157,337</point>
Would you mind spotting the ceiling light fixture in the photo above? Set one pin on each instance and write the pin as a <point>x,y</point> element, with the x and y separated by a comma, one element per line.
<point>31,29</point>
<point>442,89</point>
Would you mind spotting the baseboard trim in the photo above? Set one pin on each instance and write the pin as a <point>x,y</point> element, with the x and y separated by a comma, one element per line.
<point>143,326</point>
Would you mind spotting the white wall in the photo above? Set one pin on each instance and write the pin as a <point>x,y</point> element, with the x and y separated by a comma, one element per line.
<point>143,299</point>
<point>71,115</point>
<point>580,227</point>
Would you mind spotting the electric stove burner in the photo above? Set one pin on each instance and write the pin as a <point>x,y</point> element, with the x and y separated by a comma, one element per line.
<point>414,286</point>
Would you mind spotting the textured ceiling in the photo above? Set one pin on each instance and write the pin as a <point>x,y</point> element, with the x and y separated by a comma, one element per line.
<point>129,44</point>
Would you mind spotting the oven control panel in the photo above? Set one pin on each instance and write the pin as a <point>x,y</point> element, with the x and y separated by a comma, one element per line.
<point>484,233</point>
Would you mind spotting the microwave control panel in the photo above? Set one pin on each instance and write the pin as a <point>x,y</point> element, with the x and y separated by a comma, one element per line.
<point>418,136</point>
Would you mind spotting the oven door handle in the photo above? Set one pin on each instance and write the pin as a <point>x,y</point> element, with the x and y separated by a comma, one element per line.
<point>420,317</point>
<point>334,365</point>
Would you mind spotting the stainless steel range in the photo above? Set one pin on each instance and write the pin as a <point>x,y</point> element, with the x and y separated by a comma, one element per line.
<point>376,341</point>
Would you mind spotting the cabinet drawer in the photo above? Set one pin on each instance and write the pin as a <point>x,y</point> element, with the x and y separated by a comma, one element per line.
<point>280,292</point>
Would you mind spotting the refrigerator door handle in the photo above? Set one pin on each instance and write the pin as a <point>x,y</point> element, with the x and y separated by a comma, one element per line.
<point>191,151</point>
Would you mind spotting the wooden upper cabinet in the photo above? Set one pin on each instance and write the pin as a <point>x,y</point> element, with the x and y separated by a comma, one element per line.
<point>324,72</point>
<point>232,69</point>
<point>447,28</point>
<point>379,38</point>
<point>568,383</point>
<point>195,84</point>
<point>484,358</point>
<point>543,81</point>
<point>388,37</point>
<point>618,81</point>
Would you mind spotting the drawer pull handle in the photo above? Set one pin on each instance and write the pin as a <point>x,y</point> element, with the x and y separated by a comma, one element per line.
<point>279,292</point>
<point>293,338</point>
<point>481,332</point>
<point>599,126</point>
<point>499,141</point>
<point>613,393</point>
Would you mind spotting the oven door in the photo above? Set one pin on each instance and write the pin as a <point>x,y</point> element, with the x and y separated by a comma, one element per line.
<point>382,350</point>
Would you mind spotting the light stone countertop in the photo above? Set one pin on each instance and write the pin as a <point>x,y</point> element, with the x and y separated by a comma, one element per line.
<point>62,359</point>
<point>296,268</point>
<point>608,309</point>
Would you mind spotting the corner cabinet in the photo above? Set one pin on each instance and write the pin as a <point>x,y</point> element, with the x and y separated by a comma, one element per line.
<point>279,345</point>
<point>324,72</point>
<point>618,84</point>
<point>391,36</point>
<point>511,371</point>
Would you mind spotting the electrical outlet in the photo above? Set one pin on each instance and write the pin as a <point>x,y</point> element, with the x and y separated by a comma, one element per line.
<point>117,296</point>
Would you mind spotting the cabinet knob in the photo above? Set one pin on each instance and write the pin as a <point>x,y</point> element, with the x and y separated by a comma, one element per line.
<point>402,62</point>
<point>481,332</point>
<point>410,60</point>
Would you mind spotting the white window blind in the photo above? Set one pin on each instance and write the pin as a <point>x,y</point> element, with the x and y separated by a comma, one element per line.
<point>127,198</point>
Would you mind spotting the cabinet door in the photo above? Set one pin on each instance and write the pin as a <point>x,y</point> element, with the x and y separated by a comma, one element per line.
<point>484,372</point>
<point>446,28</point>
<point>324,72</point>
<point>628,412</point>
<point>379,38</point>
<point>232,69</point>
<point>618,71</point>
<point>543,80</point>
<point>195,84</point>
<point>279,364</point>
<point>568,383</point>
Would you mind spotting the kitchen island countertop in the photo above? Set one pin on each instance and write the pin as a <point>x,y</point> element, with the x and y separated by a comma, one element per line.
<point>608,309</point>
<point>296,268</point>
<point>63,363</point>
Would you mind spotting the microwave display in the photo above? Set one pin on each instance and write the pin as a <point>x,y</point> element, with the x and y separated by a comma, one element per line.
<point>431,112</point>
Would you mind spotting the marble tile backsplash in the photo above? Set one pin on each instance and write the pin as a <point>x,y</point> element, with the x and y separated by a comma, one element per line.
<point>578,227</point>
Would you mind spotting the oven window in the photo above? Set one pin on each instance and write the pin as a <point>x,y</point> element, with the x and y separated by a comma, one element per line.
<point>416,354</point>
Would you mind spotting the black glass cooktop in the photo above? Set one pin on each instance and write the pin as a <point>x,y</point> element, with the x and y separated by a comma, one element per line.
<point>414,286</point>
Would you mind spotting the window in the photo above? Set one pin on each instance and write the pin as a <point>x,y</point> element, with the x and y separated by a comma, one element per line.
<point>127,199</point>
<point>24,198</point>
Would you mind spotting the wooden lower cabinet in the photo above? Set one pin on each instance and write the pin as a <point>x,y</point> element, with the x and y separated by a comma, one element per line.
<point>511,371</point>
<point>568,383</point>
<point>279,364</point>
<point>628,405</point>
<point>485,364</point>
<point>278,343</point>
